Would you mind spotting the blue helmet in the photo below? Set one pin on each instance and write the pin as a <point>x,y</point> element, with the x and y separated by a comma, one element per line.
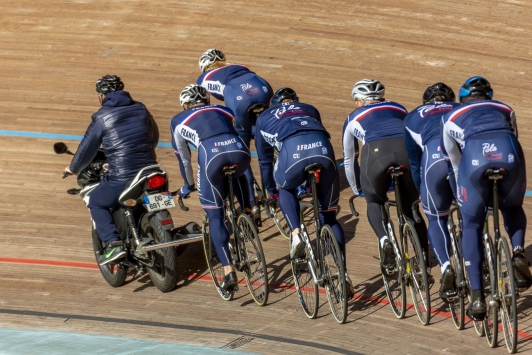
<point>475,84</point>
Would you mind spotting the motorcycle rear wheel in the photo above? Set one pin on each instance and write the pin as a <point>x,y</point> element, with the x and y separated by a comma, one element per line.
<point>114,274</point>
<point>163,273</point>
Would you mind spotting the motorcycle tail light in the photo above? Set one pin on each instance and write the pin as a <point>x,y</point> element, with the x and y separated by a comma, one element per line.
<point>156,181</point>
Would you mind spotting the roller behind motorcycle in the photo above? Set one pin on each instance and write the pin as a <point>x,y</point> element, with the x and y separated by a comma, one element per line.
<point>143,222</point>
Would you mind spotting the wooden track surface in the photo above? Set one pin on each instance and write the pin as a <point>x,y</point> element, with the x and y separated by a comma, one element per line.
<point>51,54</point>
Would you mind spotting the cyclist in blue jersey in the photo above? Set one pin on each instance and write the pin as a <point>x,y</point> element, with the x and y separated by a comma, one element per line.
<point>480,134</point>
<point>210,128</point>
<point>430,173</point>
<point>242,90</point>
<point>378,124</point>
<point>294,130</point>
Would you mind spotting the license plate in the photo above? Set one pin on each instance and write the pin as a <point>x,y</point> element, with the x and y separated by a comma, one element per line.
<point>157,202</point>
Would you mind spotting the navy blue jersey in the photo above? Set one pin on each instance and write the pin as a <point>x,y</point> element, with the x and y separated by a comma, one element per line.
<point>421,126</point>
<point>278,123</point>
<point>368,123</point>
<point>470,119</point>
<point>195,125</point>
<point>215,80</point>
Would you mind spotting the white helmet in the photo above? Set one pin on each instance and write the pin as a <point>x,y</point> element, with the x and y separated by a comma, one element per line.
<point>194,94</point>
<point>368,89</point>
<point>210,57</point>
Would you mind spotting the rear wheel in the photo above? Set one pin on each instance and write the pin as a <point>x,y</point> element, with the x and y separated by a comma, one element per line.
<point>333,273</point>
<point>507,294</point>
<point>163,273</point>
<point>491,322</point>
<point>394,285</point>
<point>215,267</point>
<point>417,273</point>
<point>252,259</point>
<point>478,325</point>
<point>114,274</point>
<point>278,218</point>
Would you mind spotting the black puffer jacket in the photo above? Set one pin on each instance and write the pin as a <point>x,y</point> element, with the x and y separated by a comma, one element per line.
<point>127,132</point>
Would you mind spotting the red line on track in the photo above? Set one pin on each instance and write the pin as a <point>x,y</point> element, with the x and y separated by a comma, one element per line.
<point>79,265</point>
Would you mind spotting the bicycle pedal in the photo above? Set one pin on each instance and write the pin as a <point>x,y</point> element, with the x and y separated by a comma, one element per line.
<point>376,257</point>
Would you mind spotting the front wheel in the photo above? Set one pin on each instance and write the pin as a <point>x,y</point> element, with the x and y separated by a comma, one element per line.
<point>278,218</point>
<point>215,267</point>
<point>163,272</point>
<point>416,272</point>
<point>252,259</point>
<point>457,308</point>
<point>333,273</point>
<point>114,274</point>
<point>507,294</point>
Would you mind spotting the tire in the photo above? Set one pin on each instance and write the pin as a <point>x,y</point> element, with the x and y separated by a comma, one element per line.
<point>252,259</point>
<point>457,308</point>
<point>417,272</point>
<point>491,322</point>
<point>114,274</point>
<point>215,267</point>
<point>507,294</point>
<point>394,286</point>
<point>279,219</point>
<point>306,289</point>
<point>163,273</point>
<point>333,273</point>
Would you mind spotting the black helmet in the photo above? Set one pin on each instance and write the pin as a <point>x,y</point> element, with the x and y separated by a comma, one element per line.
<point>438,92</point>
<point>283,94</point>
<point>109,83</point>
<point>475,84</point>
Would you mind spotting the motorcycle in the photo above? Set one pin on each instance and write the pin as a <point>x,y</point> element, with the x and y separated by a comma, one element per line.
<point>142,220</point>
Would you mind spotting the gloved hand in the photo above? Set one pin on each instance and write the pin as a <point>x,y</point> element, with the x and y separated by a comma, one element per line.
<point>359,193</point>
<point>185,191</point>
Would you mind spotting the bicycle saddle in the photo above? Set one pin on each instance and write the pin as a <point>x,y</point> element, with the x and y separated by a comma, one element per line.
<point>257,108</point>
<point>495,174</point>
<point>228,170</point>
<point>313,167</point>
<point>397,169</point>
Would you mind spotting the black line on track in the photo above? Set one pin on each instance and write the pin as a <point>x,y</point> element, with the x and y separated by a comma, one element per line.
<point>309,344</point>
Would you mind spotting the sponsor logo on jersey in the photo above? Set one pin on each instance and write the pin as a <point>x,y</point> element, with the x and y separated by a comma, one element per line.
<point>295,156</point>
<point>239,98</point>
<point>227,142</point>
<point>489,150</point>
<point>475,162</point>
<point>239,145</point>
<point>265,89</point>
<point>214,87</point>
<point>214,150</point>
<point>457,135</point>
<point>249,89</point>
<point>309,146</point>
<point>435,156</point>
<point>510,158</point>
<point>439,148</point>
<point>324,150</point>
<point>188,135</point>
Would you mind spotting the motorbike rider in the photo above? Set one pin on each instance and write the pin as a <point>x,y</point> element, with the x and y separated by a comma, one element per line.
<point>128,135</point>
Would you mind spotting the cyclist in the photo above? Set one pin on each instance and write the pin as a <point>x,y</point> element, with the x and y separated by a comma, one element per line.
<point>128,134</point>
<point>295,131</point>
<point>210,128</point>
<point>430,173</point>
<point>480,134</point>
<point>241,89</point>
<point>378,124</point>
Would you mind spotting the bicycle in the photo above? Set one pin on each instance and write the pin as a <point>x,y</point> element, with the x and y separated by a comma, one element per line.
<point>410,268</point>
<point>245,248</point>
<point>327,270</point>
<point>504,292</point>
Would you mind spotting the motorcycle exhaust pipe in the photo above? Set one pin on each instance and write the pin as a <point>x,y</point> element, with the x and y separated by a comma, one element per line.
<point>190,239</point>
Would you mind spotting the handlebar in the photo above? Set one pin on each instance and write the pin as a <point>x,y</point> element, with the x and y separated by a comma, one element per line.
<point>179,200</point>
<point>415,213</point>
<point>352,206</point>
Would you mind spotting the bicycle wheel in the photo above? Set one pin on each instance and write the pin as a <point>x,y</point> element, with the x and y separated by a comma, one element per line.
<point>457,308</point>
<point>252,259</point>
<point>394,285</point>
<point>417,272</point>
<point>333,273</point>
<point>491,322</point>
<point>507,294</point>
<point>278,218</point>
<point>215,267</point>
<point>306,289</point>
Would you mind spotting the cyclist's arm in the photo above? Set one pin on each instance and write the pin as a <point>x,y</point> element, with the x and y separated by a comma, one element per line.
<point>452,153</point>
<point>182,152</point>
<point>88,147</point>
<point>513,123</point>
<point>154,128</point>
<point>265,152</point>
<point>414,156</point>
<point>351,167</point>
